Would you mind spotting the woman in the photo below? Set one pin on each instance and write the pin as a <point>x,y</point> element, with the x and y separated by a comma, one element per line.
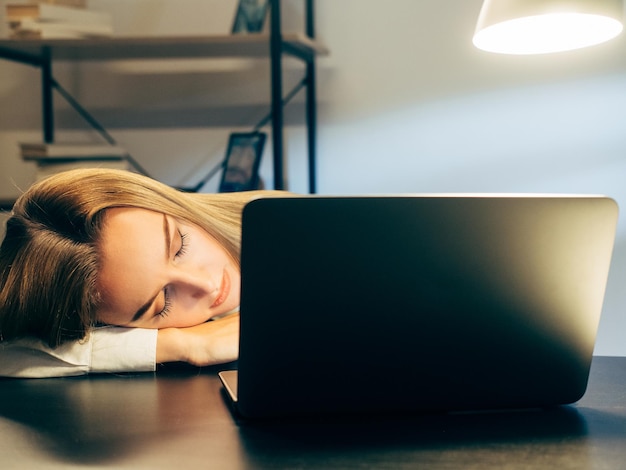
<point>88,248</point>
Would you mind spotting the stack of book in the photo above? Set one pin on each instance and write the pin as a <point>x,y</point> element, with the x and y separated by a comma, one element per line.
<point>55,158</point>
<point>52,19</point>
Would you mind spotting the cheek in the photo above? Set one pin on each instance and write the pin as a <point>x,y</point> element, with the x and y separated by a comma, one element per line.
<point>185,316</point>
<point>209,250</point>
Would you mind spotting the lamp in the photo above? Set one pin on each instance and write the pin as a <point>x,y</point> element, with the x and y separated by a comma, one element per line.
<point>542,26</point>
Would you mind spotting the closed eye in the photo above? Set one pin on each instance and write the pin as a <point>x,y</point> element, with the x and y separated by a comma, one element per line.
<point>167,304</point>
<point>183,245</point>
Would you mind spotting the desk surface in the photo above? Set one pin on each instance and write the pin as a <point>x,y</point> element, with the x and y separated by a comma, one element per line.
<point>179,419</point>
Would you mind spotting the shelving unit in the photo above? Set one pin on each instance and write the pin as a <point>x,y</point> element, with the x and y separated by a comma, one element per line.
<point>43,53</point>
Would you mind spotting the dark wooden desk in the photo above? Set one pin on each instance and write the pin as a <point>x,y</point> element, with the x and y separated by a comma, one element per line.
<point>178,419</point>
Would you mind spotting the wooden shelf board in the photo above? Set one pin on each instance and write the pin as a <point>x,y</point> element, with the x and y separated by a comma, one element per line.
<point>184,47</point>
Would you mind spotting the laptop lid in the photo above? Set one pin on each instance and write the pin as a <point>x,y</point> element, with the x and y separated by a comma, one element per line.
<point>420,303</point>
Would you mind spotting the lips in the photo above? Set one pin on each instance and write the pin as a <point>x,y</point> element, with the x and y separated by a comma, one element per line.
<point>223,292</point>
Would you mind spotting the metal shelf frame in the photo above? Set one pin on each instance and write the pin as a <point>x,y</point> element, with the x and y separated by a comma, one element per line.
<point>43,53</point>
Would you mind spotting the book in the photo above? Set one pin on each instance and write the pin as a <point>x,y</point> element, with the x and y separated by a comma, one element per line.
<point>29,28</point>
<point>45,20</point>
<point>45,169</point>
<point>67,3</point>
<point>46,12</point>
<point>42,150</point>
<point>43,34</point>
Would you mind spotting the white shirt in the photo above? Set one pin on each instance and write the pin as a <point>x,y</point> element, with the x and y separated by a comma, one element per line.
<point>106,349</point>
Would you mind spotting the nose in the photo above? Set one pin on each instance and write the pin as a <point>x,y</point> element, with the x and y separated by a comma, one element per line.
<point>195,283</point>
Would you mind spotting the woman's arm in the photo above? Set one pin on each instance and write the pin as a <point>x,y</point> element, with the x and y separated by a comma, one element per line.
<point>106,349</point>
<point>213,342</point>
<point>116,349</point>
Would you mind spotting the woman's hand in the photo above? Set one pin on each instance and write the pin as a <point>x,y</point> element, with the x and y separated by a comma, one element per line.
<point>213,342</point>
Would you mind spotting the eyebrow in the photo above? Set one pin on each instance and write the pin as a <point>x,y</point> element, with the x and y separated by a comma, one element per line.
<point>168,241</point>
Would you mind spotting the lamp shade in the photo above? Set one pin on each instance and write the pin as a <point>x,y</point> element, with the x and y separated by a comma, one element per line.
<point>542,26</point>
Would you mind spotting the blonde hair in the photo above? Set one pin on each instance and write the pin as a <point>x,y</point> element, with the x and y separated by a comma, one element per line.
<point>49,257</point>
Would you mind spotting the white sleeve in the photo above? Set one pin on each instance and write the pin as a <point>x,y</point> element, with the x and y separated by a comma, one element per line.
<point>106,349</point>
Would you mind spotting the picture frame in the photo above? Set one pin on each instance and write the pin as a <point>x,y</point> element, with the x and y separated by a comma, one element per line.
<point>241,164</point>
<point>250,16</point>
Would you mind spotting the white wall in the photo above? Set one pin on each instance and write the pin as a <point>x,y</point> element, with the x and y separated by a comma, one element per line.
<point>406,104</point>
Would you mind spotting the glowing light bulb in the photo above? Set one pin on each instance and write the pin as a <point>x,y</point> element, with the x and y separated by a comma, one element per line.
<point>542,26</point>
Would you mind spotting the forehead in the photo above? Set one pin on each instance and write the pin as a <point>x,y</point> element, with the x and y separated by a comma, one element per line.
<point>129,234</point>
<point>134,218</point>
<point>132,248</point>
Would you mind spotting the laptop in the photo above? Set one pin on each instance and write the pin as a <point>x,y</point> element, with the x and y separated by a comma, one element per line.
<point>427,303</point>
